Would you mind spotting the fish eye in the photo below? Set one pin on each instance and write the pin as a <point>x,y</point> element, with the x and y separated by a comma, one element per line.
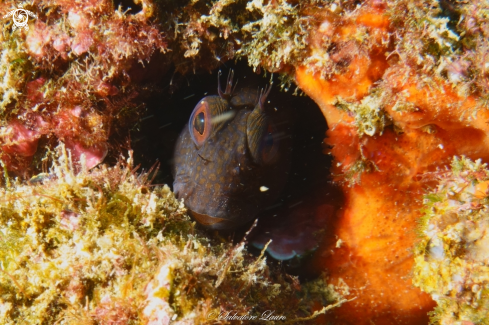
<point>268,146</point>
<point>262,140</point>
<point>199,123</point>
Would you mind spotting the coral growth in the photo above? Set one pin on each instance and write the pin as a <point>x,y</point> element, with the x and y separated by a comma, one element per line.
<point>60,77</point>
<point>78,73</point>
<point>401,86</point>
<point>452,259</point>
<point>103,246</point>
<point>72,243</point>
<point>269,34</point>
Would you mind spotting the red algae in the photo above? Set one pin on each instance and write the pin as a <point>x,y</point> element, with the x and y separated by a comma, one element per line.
<point>19,146</point>
<point>69,64</point>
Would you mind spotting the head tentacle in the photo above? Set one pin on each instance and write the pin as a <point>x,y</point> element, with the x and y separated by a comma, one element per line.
<point>263,96</point>
<point>229,85</point>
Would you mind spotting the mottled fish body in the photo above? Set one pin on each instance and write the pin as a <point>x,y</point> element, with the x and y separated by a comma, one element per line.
<point>229,162</point>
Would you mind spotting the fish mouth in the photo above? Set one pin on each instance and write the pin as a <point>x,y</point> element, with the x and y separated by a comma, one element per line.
<point>205,219</point>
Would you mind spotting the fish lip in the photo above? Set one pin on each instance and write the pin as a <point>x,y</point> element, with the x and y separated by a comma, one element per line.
<point>216,218</point>
<point>214,223</point>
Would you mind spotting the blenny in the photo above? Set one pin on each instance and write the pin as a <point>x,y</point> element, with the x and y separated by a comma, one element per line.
<point>230,162</point>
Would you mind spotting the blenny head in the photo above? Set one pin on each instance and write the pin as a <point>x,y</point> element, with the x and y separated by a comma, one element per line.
<point>229,161</point>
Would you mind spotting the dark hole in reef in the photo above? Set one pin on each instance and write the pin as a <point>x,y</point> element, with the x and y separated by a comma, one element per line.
<point>128,5</point>
<point>450,10</point>
<point>168,112</point>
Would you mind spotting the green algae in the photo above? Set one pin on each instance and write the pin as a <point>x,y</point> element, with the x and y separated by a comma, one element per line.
<point>370,117</point>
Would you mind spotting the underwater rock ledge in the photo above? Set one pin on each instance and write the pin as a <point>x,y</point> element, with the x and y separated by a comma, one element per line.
<point>104,246</point>
<point>402,85</point>
<point>452,258</point>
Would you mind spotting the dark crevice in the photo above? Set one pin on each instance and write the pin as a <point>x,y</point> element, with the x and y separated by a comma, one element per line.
<point>450,10</point>
<point>128,5</point>
<point>153,139</point>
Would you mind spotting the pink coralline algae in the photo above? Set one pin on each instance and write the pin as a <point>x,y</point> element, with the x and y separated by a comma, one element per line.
<point>60,78</point>
<point>158,310</point>
<point>20,140</point>
<point>19,145</point>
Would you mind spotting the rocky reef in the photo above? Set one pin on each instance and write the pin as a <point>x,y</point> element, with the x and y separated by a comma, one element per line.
<point>399,106</point>
<point>452,257</point>
<point>402,85</point>
<point>103,246</point>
